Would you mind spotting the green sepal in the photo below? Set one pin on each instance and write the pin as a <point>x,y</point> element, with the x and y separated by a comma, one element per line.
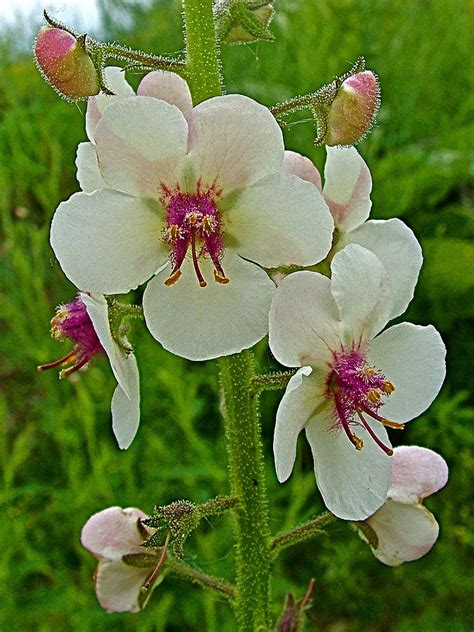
<point>245,17</point>
<point>367,533</point>
<point>141,560</point>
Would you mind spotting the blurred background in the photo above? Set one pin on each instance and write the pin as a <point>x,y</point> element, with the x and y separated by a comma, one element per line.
<point>59,460</point>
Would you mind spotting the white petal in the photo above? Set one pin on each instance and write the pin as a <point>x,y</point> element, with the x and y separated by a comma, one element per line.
<point>398,249</point>
<point>303,321</point>
<point>115,78</point>
<point>281,220</point>
<point>167,86</point>
<point>404,532</point>
<point>416,474</point>
<point>347,187</point>
<point>126,405</point>
<point>361,288</point>
<point>302,396</point>
<point>107,242</point>
<point>113,532</point>
<point>203,323</point>
<point>88,172</point>
<point>234,141</point>
<point>413,359</point>
<point>353,483</point>
<point>302,167</point>
<point>118,585</point>
<point>140,143</point>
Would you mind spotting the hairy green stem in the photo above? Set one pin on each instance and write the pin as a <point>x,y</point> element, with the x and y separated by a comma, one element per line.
<point>194,575</point>
<point>302,533</point>
<point>202,50</point>
<point>247,481</point>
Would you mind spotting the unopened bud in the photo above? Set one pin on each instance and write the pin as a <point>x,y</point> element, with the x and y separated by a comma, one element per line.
<point>354,109</point>
<point>65,64</point>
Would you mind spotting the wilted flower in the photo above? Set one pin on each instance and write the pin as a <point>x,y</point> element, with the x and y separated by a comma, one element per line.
<point>65,64</point>
<point>404,529</point>
<point>352,382</point>
<point>201,203</point>
<point>110,535</point>
<point>347,188</point>
<point>85,321</point>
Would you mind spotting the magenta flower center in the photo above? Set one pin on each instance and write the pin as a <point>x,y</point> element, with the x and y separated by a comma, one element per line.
<point>72,322</point>
<point>193,227</point>
<point>358,391</point>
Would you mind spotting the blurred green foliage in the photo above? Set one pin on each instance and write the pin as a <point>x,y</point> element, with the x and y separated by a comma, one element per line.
<point>59,460</point>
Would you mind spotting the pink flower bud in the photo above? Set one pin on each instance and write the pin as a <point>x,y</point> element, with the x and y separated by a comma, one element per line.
<point>65,65</point>
<point>353,111</point>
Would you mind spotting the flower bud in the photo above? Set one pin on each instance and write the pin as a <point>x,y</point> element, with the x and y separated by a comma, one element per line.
<point>65,64</point>
<point>353,111</point>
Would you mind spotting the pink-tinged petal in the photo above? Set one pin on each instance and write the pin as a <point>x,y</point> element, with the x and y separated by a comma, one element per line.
<point>304,393</point>
<point>404,532</point>
<point>113,532</point>
<point>398,249</point>
<point>281,220</point>
<point>167,86</point>
<point>302,167</point>
<point>413,359</point>
<point>304,326</point>
<point>88,172</point>
<point>347,187</point>
<point>107,242</point>
<point>361,288</point>
<point>200,323</point>
<point>115,78</point>
<point>353,483</point>
<point>118,585</point>
<point>140,143</point>
<point>416,474</point>
<point>234,141</point>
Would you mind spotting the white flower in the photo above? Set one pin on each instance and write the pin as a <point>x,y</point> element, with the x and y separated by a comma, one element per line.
<point>405,530</point>
<point>85,321</point>
<point>347,187</point>
<point>201,203</point>
<point>351,383</point>
<point>109,535</point>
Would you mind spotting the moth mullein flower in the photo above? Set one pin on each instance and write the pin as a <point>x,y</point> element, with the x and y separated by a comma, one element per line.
<point>405,530</point>
<point>352,383</point>
<point>85,321</point>
<point>199,204</point>
<point>110,535</point>
<point>347,188</point>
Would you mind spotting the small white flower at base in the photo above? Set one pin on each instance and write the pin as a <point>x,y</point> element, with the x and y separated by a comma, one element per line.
<point>347,188</point>
<point>405,530</point>
<point>109,535</point>
<point>352,382</point>
<point>197,203</point>
<point>85,321</point>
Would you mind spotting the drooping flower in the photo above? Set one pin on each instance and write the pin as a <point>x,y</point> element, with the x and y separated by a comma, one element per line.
<point>352,382</point>
<point>110,535</point>
<point>65,64</point>
<point>404,529</point>
<point>199,204</point>
<point>85,321</point>
<point>347,188</point>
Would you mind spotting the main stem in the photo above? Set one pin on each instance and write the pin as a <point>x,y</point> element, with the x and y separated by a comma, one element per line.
<point>202,50</point>
<point>242,427</point>
<point>247,481</point>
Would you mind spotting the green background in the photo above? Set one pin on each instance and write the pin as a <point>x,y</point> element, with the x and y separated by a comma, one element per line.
<point>59,460</point>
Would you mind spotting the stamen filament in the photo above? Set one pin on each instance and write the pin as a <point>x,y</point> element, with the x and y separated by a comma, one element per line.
<point>68,357</point>
<point>355,440</point>
<point>82,360</point>
<point>157,568</point>
<point>382,420</point>
<point>201,280</point>
<point>386,449</point>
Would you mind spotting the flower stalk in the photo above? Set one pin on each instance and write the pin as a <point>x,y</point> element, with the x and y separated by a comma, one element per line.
<point>304,532</point>
<point>248,483</point>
